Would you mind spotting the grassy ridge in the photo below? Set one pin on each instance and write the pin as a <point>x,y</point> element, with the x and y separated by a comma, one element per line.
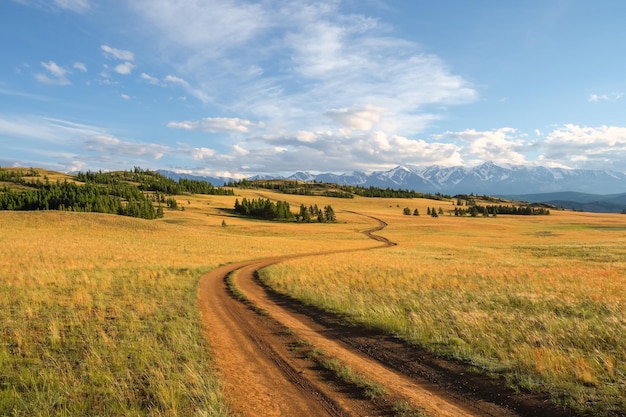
<point>542,303</point>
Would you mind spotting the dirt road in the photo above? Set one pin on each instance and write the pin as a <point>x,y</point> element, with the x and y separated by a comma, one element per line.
<point>263,346</point>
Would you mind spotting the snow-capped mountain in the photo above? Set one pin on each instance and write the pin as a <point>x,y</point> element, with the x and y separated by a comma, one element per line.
<point>488,178</point>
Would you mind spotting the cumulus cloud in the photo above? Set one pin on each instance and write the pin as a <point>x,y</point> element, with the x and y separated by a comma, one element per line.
<point>202,153</point>
<point>124,69</point>
<point>592,147</point>
<point>502,145</point>
<point>216,125</point>
<point>56,74</point>
<point>356,118</point>
<point>119,54</point>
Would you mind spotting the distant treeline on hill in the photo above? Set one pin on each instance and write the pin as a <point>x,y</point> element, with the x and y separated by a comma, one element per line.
<point>475,210</point>
<point>332,190</point>
<point>128,193</point>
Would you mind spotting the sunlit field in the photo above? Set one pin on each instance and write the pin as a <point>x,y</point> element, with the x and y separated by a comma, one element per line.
<point>100,312</point>
<point>540,300</point>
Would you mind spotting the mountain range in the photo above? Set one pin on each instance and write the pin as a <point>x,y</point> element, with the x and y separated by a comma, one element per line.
<point>585,187</point>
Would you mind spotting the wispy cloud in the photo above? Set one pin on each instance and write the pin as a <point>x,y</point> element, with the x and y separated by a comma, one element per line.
<point>594,98</point>
<point>55,75</point>
<point>216,125</point>
<point>120,54</point>
<point>78,6</point>
<point>79,66</point>
<point>106,144</point>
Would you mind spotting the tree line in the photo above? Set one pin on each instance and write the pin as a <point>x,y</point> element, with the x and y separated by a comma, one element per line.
<point>332,190</point>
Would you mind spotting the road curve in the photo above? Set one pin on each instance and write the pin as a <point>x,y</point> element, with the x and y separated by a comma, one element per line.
<point>263,377</point>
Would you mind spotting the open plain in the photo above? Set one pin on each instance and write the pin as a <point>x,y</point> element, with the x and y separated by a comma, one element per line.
<point>109,315</point>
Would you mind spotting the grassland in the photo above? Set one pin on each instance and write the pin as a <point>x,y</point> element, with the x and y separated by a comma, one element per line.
<point>99,311</point>
<point>540,300</point>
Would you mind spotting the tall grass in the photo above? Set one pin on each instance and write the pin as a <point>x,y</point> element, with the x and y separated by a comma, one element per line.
<point>542,302</point>
<point>99,312</point>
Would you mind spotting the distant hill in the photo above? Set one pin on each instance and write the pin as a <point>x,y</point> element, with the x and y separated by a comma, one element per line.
<point>611,203</point>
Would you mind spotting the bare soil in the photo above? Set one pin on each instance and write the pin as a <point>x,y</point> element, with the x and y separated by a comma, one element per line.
<point>262,347</point>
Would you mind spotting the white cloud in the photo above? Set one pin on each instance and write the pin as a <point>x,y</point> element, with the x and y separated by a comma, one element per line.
<point>119,54</point>
<point>205,27</point>
<point>328,60</point>
<point>239,150</point>
<point>56,74</point>
<point>357,118</point>
<point>594,98</point>
<point>202,153</point>
<point>150,79</point>
<point>216,125</point>
<point>125,96</point>
<point>109,145</point>
<point>502,145</point>
<point>601,147</point>
<point>124,69</point>
<point>172,79</point>
<point>80,66</point>
<point>304,136</point>
<point>78,6</point>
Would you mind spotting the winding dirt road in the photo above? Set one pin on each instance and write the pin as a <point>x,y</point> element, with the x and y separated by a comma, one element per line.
<point>261,348</point>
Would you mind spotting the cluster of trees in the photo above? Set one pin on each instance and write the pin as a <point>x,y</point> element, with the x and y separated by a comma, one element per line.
<point>431,212</point>
<point>264,209</point>
<point>268,210</point>
<point>313,213</point>
<point>476,210</point>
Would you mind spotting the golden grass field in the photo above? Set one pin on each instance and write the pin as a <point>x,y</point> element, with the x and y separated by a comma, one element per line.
<point>99,311</point>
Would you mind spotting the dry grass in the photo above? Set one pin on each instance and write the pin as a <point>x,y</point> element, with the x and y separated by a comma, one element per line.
<point>541,300</point>
<point>99,311</point>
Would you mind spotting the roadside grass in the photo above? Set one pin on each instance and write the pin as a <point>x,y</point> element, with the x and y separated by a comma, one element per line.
<point>541,301</point>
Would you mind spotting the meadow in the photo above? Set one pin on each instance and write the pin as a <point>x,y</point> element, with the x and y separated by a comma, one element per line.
<point>539,300</point>
<point>100,311</point>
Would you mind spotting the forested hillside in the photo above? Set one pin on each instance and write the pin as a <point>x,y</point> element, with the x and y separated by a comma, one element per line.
<point>136,193</point>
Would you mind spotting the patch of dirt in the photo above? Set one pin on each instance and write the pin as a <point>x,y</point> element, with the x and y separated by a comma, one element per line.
<point>263,356</point>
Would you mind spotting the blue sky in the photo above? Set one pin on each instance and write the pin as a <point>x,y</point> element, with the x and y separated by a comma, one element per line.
<point>237,88</point>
